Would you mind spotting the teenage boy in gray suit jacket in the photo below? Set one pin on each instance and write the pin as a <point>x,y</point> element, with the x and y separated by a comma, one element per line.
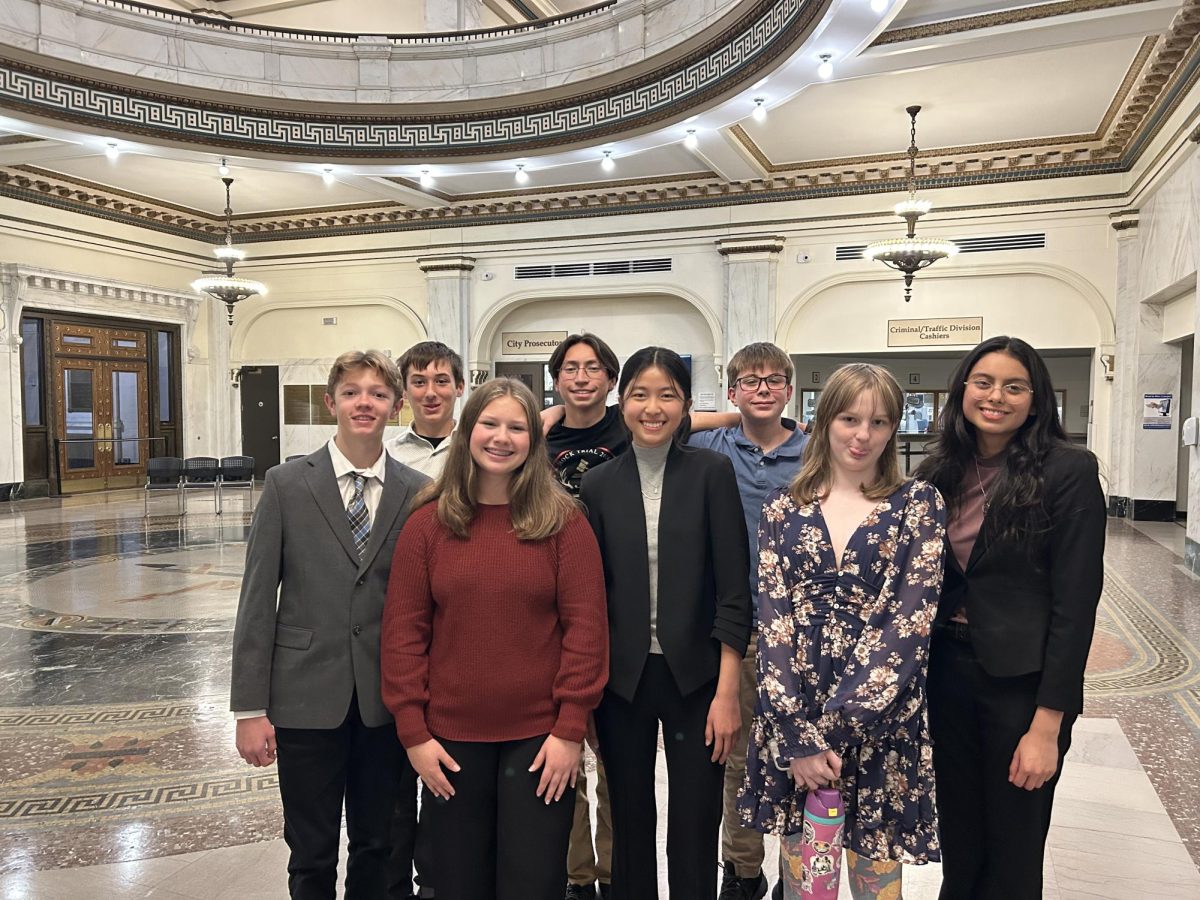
<point>305,685</point>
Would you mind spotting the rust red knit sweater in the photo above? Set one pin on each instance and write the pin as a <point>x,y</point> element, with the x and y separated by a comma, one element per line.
<point>492,638</point>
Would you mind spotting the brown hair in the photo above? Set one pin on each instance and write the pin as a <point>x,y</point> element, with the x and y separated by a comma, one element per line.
<point>425,354</point>
<point>538,505</point>
<point>845,386</point>
<point>761,355</point>
<point>604,354</point>
<point>364,359</point>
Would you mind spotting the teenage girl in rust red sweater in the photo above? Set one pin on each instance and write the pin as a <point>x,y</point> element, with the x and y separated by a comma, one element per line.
<point>495,651</point>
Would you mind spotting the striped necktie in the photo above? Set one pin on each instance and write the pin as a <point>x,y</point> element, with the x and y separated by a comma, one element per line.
<point>360,519</point>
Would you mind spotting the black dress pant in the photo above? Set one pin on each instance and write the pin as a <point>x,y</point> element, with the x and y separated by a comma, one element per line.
<point>411,844</point>
<point>319,771</point>
<point>993,833</point>
<point>629,746</point>
<point>495,839</point>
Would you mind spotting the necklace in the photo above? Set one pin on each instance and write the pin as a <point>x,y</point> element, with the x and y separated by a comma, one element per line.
<point>652,490</point>
<point>982,489</point>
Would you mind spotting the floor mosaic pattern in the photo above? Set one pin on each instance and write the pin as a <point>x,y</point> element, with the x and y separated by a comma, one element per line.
<point>116,746</point>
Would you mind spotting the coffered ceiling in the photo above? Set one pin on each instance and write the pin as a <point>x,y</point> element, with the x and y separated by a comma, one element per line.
<point>1003,85</point>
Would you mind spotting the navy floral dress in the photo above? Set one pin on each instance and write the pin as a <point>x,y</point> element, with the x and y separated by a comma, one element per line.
<point>842,652</point>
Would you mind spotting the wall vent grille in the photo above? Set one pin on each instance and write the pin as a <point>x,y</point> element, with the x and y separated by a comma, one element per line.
<point>989,244</point>
<point>584,270</point>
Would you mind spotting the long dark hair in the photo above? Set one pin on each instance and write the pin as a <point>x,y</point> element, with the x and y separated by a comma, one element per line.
<point>675,369</point>
<point>1015,508</point>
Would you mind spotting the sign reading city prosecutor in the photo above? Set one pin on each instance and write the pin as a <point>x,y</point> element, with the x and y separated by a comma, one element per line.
<point>934,332</point>
<point>536,342</point>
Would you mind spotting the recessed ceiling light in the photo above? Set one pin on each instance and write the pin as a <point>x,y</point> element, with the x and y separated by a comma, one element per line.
<point>426,179</point>
<point>522,176</point>
<point>825,69</point>
<point>223,168</point>
<point>691,141</point>
<point>760,109</point>
<point>879,7</point>
<point>607,164</point>
<point>112,151</point>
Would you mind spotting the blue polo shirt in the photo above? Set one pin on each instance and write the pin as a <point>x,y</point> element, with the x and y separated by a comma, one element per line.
<point>758,474</point>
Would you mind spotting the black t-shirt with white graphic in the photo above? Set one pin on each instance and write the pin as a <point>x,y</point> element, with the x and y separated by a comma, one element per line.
<point>575,451</point>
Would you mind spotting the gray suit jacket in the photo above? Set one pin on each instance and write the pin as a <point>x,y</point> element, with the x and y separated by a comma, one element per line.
<point>307,632</point>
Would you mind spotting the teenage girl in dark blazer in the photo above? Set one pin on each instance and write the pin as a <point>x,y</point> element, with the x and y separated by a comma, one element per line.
<point>1024,567</point>
<point>669,522</point>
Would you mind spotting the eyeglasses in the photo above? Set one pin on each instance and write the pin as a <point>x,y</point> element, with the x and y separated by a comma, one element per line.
<point>1013,390</point>
<point>591,370</point>
<point>751,383</point>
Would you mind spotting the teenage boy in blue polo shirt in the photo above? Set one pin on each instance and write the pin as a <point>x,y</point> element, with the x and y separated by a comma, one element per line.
<point>766,450</point>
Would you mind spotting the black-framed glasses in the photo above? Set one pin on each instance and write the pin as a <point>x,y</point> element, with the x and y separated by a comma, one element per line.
<point>751,383</point>
<point>591,370</point>
<point>1014,390</point>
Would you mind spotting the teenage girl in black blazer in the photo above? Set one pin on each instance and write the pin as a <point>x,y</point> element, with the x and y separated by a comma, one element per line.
<point>669,522</point>
<point>1024,567</point>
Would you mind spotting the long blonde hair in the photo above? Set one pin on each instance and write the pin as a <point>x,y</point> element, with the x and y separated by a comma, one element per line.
<point>845,386</point>
<point>538,505</point>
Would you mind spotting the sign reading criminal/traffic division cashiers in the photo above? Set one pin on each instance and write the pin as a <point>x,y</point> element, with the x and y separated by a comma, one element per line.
<point>934,332</point>
<point>518,342</point>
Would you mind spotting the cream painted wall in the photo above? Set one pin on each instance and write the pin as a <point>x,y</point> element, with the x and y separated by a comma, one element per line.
<point>1040,308</point>
<point>625,322</point>
<point>280,334</point>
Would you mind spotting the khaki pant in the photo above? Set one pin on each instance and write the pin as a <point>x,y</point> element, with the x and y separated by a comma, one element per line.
<point>741,846</point>
<point>584,866</point>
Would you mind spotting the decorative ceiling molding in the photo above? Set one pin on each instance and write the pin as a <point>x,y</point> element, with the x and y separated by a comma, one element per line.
<point>998,19</point>
<point>770,30</point>
<point>898,161</point>
<point>1160,86</point>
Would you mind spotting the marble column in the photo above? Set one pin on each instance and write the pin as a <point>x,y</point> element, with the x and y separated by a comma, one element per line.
<point>12,452</point>
<point>1144,461</point>
<point>1192,541</point>
<point>448,297</point>
<point>750,288</point>
<point>224,406</point>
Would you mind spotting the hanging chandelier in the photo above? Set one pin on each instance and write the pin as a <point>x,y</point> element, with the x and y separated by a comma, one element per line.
<point>225,286</point>
<point>911,254</point>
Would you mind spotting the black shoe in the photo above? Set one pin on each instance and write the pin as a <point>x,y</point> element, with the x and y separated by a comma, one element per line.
<point>735,888</point>
<point>581,892</point>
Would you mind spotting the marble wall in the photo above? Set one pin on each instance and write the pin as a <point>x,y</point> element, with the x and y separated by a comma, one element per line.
<point>372,70</point>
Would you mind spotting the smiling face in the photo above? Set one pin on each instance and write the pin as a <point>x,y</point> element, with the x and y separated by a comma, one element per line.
<point>764,403</point>
<point>500,440</point>
<point>583,382</point>
<point>858,436</point>
<point>431,393</point>
<point>997,400</point>
<point>362,402</point>
<point>653,406</point>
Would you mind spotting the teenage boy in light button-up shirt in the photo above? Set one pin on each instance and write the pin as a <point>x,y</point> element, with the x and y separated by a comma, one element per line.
<point>432,375</point>
<point>766,451</point>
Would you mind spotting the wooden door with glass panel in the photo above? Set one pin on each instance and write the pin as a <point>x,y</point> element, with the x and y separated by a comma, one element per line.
<point>102,416</point>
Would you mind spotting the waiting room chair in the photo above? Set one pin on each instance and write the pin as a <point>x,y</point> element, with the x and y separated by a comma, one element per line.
<point>237,472</point>
<point>164,474</point>
<point>202,473</point>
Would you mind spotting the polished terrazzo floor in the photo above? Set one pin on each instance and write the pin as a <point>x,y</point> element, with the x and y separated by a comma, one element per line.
<point>118,776</point>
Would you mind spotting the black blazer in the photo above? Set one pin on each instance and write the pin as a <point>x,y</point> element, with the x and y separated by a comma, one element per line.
<point>1032,608</point>
<point>703,566</point>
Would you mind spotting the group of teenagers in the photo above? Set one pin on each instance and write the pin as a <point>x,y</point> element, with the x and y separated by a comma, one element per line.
<point>467,603</point>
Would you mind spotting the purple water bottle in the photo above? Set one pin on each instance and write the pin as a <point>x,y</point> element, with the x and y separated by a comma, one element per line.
<point>812,867</point>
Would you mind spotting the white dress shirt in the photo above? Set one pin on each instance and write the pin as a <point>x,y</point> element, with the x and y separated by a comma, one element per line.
<point>416,452</point>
